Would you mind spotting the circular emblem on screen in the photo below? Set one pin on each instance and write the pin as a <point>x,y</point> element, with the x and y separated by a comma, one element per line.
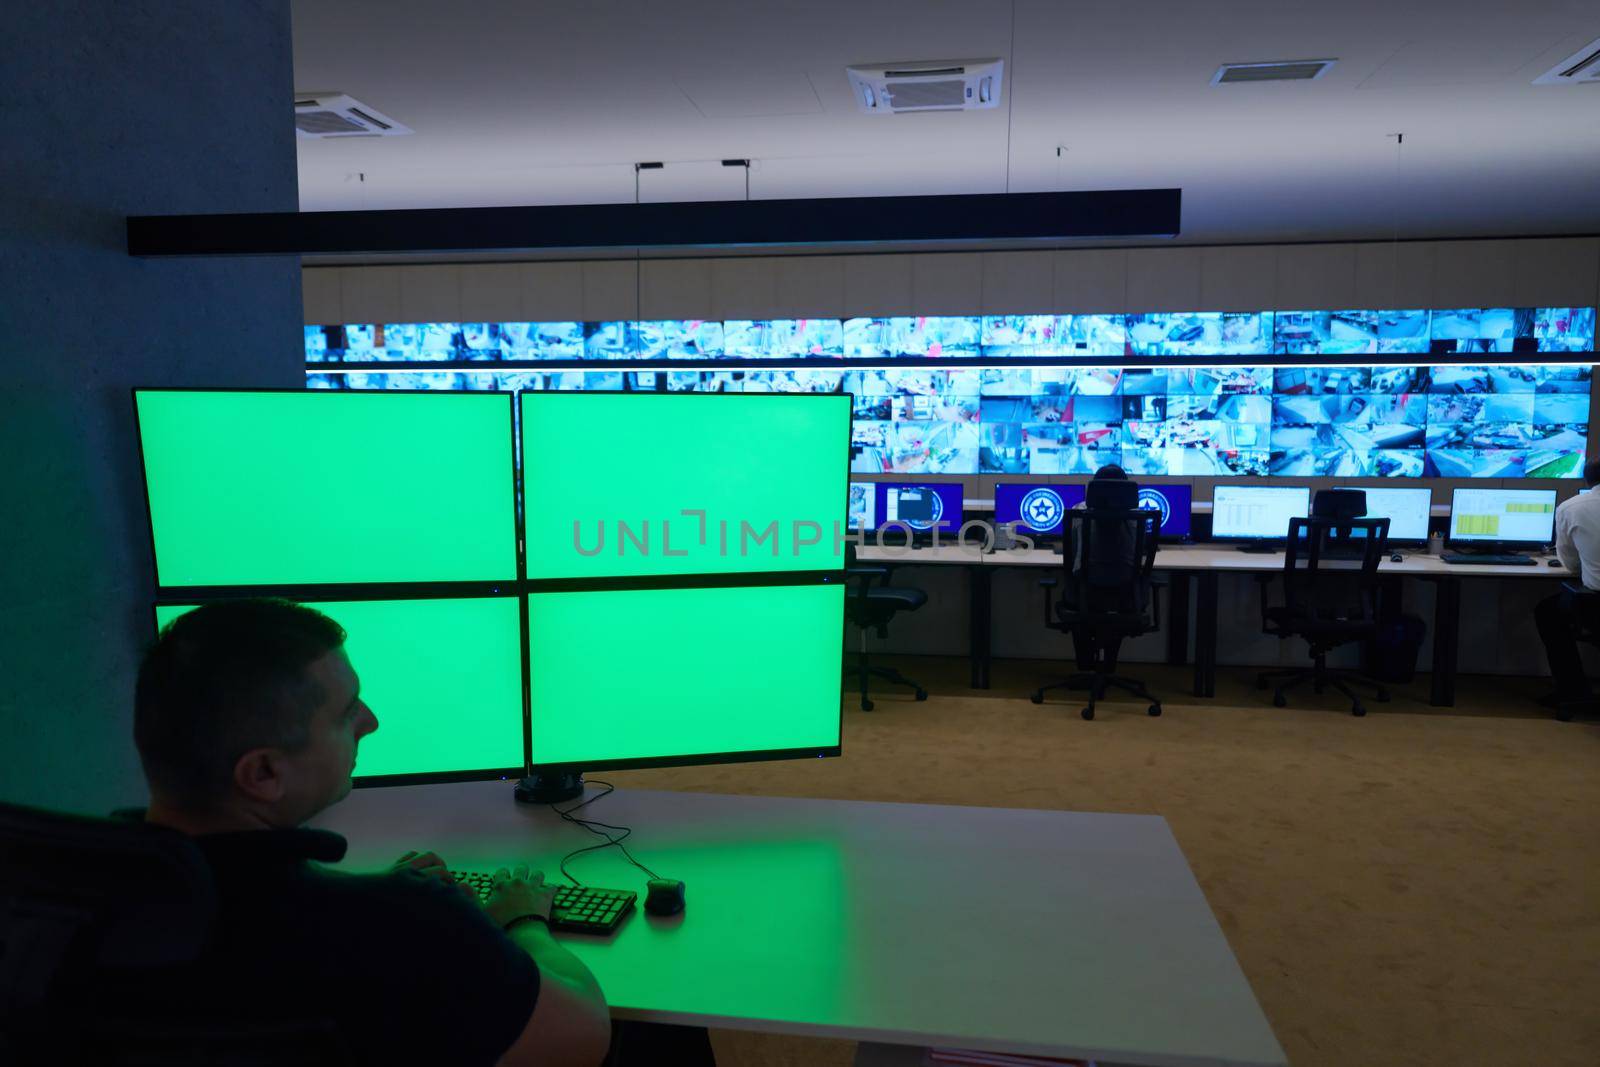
<point>935,513</point>
<point>1155,500</point>
<point>1042,508</point>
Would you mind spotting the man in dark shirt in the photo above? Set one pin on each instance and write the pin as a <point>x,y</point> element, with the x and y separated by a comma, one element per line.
<point>248,717</point>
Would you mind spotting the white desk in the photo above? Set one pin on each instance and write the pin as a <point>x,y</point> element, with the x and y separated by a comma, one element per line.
<point>1044,932</point>
<point>1204,562</point>
<point>1207,561</point>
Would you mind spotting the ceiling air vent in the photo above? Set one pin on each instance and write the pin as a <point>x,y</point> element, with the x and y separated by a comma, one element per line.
<point>1300,70</point>
<point>319,115</point>
<point>962,85</point>
<point>1580,68</point>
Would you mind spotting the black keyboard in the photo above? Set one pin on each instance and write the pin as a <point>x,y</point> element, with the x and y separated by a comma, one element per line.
<point>577,909</point>
<point>1507,559</point>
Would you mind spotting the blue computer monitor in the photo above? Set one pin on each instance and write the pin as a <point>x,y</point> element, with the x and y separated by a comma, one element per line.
<point>1514,517</point>
<point>920,505</point>
<point>863,510</point>
<point>1035,507</point>
<point>1174,502</point>
<point>1257,512</point>
<point>1406,509</point>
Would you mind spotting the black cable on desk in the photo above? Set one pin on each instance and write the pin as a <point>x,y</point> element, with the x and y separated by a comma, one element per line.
<point>599,829</point>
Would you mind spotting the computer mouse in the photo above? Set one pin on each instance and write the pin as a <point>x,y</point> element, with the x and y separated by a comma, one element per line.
<point>665,897</point>
<point>1552,563</point>
<point>1395,557</point>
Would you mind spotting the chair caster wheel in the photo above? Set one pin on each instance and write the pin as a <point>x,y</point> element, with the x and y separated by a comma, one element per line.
<point>1279,700</point>
<point>1088,714</point>
<point>1154,711</point>
<point>922,694</point>
<point>1564,715</point>
<point>1358,710</point>
<point>1383,696</point>
<point>1038,697</point>
<point>867,705</point>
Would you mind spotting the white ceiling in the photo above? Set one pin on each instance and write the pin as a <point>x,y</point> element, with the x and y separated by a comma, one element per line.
<point>546,103</point>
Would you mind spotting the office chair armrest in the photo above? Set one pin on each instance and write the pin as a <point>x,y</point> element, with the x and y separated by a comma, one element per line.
<point>866,573</point>
<point>1577,589</point>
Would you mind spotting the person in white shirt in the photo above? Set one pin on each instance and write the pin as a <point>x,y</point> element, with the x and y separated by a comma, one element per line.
<point>1578,548</point>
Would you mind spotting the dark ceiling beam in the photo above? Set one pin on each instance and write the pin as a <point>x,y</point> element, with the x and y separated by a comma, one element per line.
<point>983,217</point>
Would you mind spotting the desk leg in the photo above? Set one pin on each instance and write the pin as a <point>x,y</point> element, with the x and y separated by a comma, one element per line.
<point>876,1054</point>
<point>1446,641</point>
<point>981,600</point>
<point>1205,635</point>
<point>1178,619</point>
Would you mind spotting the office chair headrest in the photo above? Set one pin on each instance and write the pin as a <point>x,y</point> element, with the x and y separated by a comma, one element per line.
<point>1339,504</point>
<point>1111,494</point>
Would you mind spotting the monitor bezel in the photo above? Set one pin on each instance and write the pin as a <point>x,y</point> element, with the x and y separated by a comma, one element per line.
<point>1021,527</point>
<point>844,526</point>
<point>1245,538</point>
<point>149,514</point>
<point>1489,544</point>
<point>1163,487</point>
<point>1427,526</point>
<point>436,591</point>
<point>880,495</point>
<point>719,579</point>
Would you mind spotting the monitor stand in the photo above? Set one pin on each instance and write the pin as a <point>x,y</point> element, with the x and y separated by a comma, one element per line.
<point>549,787</point>
<point>1261,548</point>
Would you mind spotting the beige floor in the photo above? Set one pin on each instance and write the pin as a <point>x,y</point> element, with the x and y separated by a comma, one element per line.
<point>1421,886</point>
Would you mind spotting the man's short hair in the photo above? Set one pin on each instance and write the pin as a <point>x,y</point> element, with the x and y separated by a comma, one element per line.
<point>221,680</point>
<point>1112,471</point>
<point>1591,472</point>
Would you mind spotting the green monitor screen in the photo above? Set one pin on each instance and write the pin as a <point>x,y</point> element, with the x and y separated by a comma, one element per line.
<point>443,677</point>
<point>313,488</point>
<point>663,676</point>
<point>608,478</point>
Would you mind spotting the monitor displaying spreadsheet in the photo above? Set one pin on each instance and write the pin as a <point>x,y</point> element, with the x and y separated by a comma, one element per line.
<point>1257,511</point>
<point>1508,516</point>
<point>1406,509</point>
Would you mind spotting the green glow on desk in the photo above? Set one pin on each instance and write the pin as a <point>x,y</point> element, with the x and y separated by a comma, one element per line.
<point>444,678</point>
<point>324,487</point>
<point>678,672</point>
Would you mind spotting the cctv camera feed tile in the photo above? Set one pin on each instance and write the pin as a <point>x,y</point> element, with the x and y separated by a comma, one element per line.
<point>1384,418</point>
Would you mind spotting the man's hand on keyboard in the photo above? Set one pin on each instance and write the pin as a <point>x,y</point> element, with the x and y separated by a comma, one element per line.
<point>517,893</point>
<point>430,865</point>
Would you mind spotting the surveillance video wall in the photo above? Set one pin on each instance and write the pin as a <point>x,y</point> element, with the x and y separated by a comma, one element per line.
<point>995,410</point>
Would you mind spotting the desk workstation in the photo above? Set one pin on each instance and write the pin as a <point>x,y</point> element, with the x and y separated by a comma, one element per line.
<point>1187,563</point>
<point>835,919</point>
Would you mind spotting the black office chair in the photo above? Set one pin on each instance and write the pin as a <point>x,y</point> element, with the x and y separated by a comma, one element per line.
<point>870,607</point>
<point>85,900</point>
<point>1108,552</point>
<point>1328,607</point>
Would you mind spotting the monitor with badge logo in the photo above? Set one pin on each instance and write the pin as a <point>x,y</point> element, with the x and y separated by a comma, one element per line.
<point>1172,501</point>
<point>1034,508</point>
<point>920,506</point>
